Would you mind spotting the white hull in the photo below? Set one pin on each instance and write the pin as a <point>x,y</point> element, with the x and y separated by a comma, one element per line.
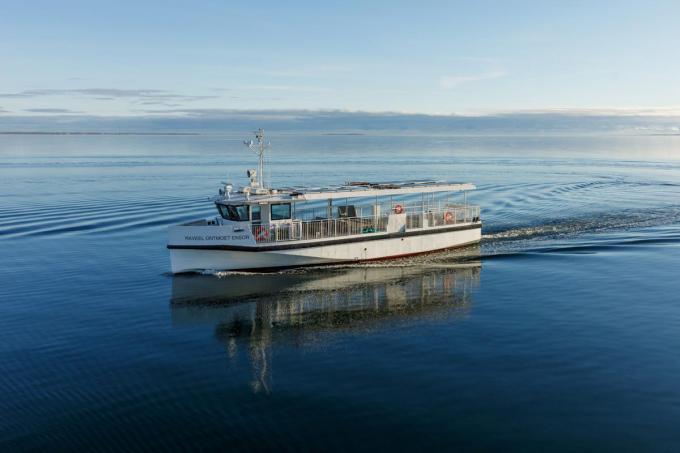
<point>306,254</point>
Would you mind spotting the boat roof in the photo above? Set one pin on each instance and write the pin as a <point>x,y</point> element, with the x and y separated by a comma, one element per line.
<point>352,189</point>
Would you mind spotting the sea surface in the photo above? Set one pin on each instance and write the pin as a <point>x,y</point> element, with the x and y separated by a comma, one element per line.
<point>560,332</point>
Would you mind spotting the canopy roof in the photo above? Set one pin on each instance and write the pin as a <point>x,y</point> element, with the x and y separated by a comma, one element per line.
<point>354,189</point>
<point>382,189</point>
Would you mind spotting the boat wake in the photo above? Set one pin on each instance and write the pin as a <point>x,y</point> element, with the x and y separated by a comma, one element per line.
<point>604,232</point>
<point>600,223</point>
<point>99,216</point>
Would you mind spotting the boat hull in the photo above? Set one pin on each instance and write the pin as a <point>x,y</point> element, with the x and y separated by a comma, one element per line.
<point>216,257</point>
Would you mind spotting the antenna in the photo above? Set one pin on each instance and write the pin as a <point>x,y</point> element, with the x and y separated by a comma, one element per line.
<point>259,149</point>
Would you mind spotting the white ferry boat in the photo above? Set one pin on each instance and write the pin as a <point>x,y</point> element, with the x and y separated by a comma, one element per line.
<point>264,228</point>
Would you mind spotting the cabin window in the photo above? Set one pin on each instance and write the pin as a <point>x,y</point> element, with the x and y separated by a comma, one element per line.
<point>280,211</point>
<point>347,211</point>
<point>256,213</point>
<point>235,213</point>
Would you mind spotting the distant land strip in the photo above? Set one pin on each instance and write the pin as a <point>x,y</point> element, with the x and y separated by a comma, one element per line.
<point>94,133</point>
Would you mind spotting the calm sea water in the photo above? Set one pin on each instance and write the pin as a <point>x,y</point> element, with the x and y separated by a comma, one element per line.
<point>561,331</point>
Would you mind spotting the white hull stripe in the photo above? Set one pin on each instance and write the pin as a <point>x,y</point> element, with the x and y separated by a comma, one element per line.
<point>289,246</point>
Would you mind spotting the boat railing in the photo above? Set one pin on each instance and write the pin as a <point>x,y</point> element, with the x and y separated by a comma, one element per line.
<point>446,216</point>
<point>368,210</point>
<point>300,230</point>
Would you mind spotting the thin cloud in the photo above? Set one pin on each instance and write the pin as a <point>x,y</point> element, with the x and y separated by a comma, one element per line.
<point>51,110</point>
<point>220,120</point>
<point>598,112</point>
<point>112,93</point>
<point>229,113</point>
<point>160,103</point>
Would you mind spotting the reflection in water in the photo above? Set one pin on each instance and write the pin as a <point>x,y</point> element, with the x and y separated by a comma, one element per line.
<point>262,309</point>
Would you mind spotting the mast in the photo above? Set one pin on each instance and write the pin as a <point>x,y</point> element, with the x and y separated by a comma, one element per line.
<point>259,148</point>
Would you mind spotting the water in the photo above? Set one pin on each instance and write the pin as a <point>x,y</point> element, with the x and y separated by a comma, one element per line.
<point>561,331</point>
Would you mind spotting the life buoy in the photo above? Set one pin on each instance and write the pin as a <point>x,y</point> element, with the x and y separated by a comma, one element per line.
<point>262,234</point>
<point>448,217</point>
<point>398,209</point>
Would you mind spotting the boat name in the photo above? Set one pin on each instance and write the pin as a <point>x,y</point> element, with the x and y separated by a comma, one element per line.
<point>235,237</point>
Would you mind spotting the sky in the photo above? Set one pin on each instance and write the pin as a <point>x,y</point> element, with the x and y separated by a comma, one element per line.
<point>135,58</point>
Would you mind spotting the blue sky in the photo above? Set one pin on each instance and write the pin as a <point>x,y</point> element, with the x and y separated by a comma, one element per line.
<point>172,57</point>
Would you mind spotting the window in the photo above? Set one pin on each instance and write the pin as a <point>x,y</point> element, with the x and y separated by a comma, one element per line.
<point>256,213</point>
<point>234,213</point>
<point>280,211</point>
<point>347,211</point>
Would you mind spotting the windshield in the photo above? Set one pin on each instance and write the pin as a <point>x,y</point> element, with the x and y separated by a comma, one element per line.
<point>235,213</point>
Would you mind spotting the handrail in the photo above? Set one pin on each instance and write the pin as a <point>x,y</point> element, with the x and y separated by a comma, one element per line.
<point>299,230</point>
<point>384,208</point>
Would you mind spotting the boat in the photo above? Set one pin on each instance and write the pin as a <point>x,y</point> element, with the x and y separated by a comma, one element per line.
<point>260,228</point>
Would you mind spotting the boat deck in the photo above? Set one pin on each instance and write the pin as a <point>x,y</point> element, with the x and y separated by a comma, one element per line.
<point>300,230</point>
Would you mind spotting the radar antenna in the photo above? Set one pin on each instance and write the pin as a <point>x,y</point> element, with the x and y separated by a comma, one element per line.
<point>259,147</point>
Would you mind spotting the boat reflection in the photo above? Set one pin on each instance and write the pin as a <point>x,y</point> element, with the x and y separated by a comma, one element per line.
<point>255,312</point>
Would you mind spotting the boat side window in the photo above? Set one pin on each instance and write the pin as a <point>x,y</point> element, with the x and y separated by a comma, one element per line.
<point>234,213</point>
<point>347,211</point>
<point>256,213</point>
<point>280,211</point>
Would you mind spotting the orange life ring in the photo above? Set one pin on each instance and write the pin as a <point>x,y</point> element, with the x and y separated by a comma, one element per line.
<point>398,209</point>
<point>262,234</point>
<point>448,217</point>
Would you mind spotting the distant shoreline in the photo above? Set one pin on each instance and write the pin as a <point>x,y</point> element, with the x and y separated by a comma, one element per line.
<point>351,134</point>
<point>96,133</point>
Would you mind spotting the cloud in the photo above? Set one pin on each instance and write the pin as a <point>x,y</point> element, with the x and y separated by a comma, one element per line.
<point>599,112</point>
<point>107,93</point>
<point>207,120</point>
<point>236,114</point>
<point>289,114</point>
<point>452,81</point>
<point>51,110</point>
<point>159,102</point>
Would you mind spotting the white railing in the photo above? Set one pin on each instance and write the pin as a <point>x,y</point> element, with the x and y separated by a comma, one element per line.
<point>368,210</point>
<point>447,216</point>
<point>299,230</point>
